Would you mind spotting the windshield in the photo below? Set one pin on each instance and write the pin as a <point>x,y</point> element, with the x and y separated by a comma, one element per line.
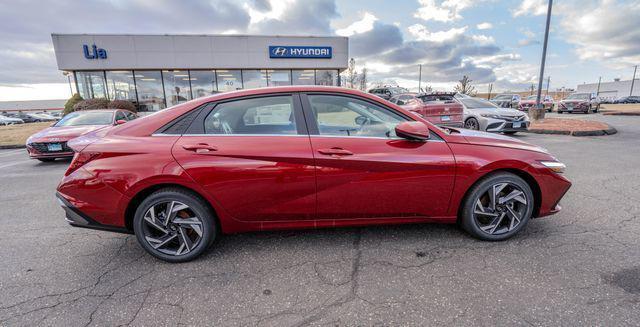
<point>533,97</point>
<point>472,103</point>
<point>579,96</point>
<point>86,118</point>
<point>436,98</point>
<point>503,97</point>
<point>397,90</point>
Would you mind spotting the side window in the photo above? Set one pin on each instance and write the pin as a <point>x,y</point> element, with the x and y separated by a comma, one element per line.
<point>120,116</point>
<point>347,116</point>
<point>269,115</point>
<point>130,115</point>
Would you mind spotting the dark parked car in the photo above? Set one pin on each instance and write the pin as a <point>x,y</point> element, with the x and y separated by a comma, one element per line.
<point>507,101</point>
<point>30,117</point>
<point>629,99</point>
<point>299,157</point>
<point>388,92</point>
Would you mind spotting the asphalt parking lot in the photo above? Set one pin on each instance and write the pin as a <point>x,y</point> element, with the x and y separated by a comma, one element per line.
<point>579,267</point>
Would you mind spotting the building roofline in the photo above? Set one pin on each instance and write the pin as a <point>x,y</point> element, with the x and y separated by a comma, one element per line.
<point>215,35</point>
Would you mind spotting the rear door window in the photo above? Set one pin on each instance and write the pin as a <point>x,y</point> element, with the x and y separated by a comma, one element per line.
<point>268,115</point>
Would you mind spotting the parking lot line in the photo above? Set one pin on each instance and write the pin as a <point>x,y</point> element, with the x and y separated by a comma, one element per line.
<point>14,163</point>
<point>11,152</point>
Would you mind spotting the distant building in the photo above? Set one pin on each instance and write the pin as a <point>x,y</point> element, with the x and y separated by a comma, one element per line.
<point>32,105</point>
<point>614,90</point>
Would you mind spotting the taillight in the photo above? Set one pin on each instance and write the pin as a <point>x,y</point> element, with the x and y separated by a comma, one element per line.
<point>79,160</point>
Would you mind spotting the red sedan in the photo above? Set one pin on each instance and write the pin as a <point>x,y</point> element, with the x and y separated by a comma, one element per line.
<point>299,157</point>
<point>440,108</point>
<point>51,143</point>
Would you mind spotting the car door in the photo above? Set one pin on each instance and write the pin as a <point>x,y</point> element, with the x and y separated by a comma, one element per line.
<point>365,171</point>
<point>253,156</point>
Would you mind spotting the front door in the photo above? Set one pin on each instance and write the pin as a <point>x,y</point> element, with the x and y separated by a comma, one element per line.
<point>365,171</point>
<point>254,157</point>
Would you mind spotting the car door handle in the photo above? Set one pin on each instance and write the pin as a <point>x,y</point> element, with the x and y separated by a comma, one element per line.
<point>199,148</point>
<point>335,152</point>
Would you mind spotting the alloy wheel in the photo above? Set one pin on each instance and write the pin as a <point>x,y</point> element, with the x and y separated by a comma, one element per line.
<point>471,124</point>
<point>501,208</point>
<point>172,228</point>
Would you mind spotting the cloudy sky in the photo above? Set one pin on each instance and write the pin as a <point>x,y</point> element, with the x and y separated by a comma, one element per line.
<point>492,41</point>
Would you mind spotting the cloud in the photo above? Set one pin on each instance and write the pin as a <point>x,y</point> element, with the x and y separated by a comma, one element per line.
<point>308,17</point>
<point>530,7</point>
<point>363,25</point>
<point>382,37</point>
<point>606,31</point>
<point>484,26</point>
<point>445,11</point>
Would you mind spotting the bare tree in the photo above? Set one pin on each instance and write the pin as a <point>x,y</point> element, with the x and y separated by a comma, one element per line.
<point>363,79</point>
<point>352,74</point>
<point>464,86</point>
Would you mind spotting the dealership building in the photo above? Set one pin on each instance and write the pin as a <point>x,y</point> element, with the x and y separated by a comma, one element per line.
<point>159,71</point>
<point>612,90</point>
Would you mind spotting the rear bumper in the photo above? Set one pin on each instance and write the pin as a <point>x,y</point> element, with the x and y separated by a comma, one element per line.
<point>77,218</point>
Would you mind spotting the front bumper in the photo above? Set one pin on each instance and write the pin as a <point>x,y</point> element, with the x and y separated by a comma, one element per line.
<point>39,150</point>
<point>499,125</point>
<point>77,218</point>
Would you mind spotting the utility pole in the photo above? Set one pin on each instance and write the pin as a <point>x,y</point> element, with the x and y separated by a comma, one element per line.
<point>548,82</point>
<point>598,91</point>
<point>633,80</point>
<point>539,108</point>
<point>490,87</point>
<point>420,79</point>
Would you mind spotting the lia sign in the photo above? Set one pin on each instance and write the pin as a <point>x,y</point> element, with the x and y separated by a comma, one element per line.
<point>94,52</point>
<point>282,51</point>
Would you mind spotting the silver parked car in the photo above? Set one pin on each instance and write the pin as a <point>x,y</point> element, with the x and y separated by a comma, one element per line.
<point>4,120</point>
<point>483,115</point>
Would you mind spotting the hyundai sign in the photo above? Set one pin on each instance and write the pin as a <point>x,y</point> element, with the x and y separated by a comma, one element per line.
<point>280,51</point>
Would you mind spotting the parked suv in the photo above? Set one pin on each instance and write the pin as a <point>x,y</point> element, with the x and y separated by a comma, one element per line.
<point>507,101</point>
<point>629,99</point>
<point>438,108</point>
<point>388,92</point>
<point>579,102</point>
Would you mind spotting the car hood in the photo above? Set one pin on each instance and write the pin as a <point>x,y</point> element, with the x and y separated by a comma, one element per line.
<point>497,111</point>
<point>63,133</point>
<point>491,139</point>
<point>574,101</point>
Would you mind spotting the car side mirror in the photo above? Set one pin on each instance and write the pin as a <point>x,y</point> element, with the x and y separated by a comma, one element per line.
<point>120,121</point>
<point>413,131</point>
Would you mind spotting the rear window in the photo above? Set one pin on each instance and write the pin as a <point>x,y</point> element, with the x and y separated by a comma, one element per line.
<point>436,98</point>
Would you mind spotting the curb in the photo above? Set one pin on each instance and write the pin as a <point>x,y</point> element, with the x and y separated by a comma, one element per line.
<point>620,113</point>
<point>600,132</point>
<point>13,146</point>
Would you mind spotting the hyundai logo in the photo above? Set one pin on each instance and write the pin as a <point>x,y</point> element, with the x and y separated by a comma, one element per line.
<point>279,51</point>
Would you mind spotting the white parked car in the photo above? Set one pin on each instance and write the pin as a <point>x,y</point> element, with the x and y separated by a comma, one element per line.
<point>482,115</point>
<point>4,120</point>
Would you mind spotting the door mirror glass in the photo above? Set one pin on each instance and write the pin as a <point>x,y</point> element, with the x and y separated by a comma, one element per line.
<point>413,131</point>
<point>120,121</point>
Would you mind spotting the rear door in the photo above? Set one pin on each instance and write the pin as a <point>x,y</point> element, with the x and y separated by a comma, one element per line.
<point>254,157</point>
<point>365,171</point>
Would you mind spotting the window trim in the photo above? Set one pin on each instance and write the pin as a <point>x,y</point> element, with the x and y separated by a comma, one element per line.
<point>197,126</point>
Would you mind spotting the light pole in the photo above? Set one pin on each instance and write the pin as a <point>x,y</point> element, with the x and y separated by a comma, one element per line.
<point>65,73</point>
<point>539,114</point>
<point>633,80</point>
<point>420,79</point>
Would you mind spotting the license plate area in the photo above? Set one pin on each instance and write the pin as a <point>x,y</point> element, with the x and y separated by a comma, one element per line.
<point>517,124</point>
<point>54,147</point>
<point>445,118</point>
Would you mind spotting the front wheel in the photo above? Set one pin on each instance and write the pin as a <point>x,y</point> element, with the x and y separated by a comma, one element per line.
<point>497,207</point>
<point>472,123</point>
<point>174,225</point>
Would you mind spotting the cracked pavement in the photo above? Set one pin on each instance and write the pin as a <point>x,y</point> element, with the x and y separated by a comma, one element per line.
<point>579,267</point>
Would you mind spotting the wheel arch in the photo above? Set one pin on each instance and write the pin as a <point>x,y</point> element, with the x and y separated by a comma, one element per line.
<point>528,178</point>
<point>142,194</point>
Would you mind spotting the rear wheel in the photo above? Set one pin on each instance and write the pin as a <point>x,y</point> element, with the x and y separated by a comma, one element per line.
<point>497,207</point>
<point>472,123</point>
<point>174,225</point>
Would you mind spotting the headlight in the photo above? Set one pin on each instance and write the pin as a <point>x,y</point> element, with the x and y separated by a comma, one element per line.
<point>557,167</point>
<point>491,116</point>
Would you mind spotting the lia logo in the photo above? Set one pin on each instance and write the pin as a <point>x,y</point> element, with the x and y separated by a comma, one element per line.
<point>94,52</point>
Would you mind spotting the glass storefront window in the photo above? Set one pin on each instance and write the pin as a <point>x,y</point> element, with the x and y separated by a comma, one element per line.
<point>150,93</point>
<point>303,77</point>
<point>203,83</point>
<point>176,86</point>
<point>91,84</point>
<point>327,77</point>
<point>279,77</point>
<point>252,79</point>
<point>120,85</point>
<point>228,80</point>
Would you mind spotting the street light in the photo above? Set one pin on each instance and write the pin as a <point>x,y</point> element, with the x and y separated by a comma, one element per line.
<point>68,74</point>
<point>539,111</point>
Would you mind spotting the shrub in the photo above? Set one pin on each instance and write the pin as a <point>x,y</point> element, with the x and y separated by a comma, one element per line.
<point>98,103</point>
<point>122,104</point>
<point>73,100</point>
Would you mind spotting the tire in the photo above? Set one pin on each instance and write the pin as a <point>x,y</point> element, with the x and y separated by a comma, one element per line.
<point>170,238</point>
<point>510,132</point>
<point>472,123</point>
<point>597,109</point>
<point>505,227</point>
<point>47,159</point>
